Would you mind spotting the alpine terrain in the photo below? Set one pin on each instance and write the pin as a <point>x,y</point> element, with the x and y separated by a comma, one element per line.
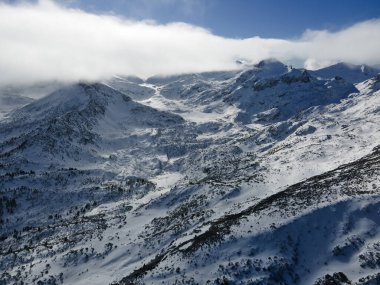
<point>265,175</point>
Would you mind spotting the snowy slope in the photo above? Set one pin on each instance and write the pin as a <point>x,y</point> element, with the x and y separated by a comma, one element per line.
<point>10,102</point>
<point>132,86</point>
<point>13,97</point>
<point>286,236</point>
<point>267,175</point>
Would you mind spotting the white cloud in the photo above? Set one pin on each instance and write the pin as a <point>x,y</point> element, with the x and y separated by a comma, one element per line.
<point>44,41</point>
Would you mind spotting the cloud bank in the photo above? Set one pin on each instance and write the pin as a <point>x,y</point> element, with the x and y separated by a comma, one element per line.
<point>44,41</point>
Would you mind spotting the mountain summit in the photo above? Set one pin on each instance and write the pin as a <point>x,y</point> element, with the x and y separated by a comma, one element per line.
<point>350,72</point>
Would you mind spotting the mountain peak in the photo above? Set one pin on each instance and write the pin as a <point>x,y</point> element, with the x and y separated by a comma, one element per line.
<point>269,62</point>
<point>350,72</point>
<point>271,65</point>
<point>75,97</point>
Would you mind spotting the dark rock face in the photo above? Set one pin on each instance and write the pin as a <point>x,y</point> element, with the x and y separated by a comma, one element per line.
<point>338,278</point>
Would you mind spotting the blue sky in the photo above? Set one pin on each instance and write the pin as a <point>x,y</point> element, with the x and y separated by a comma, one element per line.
<point>240,18</point>
<point>243,18</point>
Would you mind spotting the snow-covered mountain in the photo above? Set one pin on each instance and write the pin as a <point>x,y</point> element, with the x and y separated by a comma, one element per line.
<point>267,175</point>
<point>350,72</point>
